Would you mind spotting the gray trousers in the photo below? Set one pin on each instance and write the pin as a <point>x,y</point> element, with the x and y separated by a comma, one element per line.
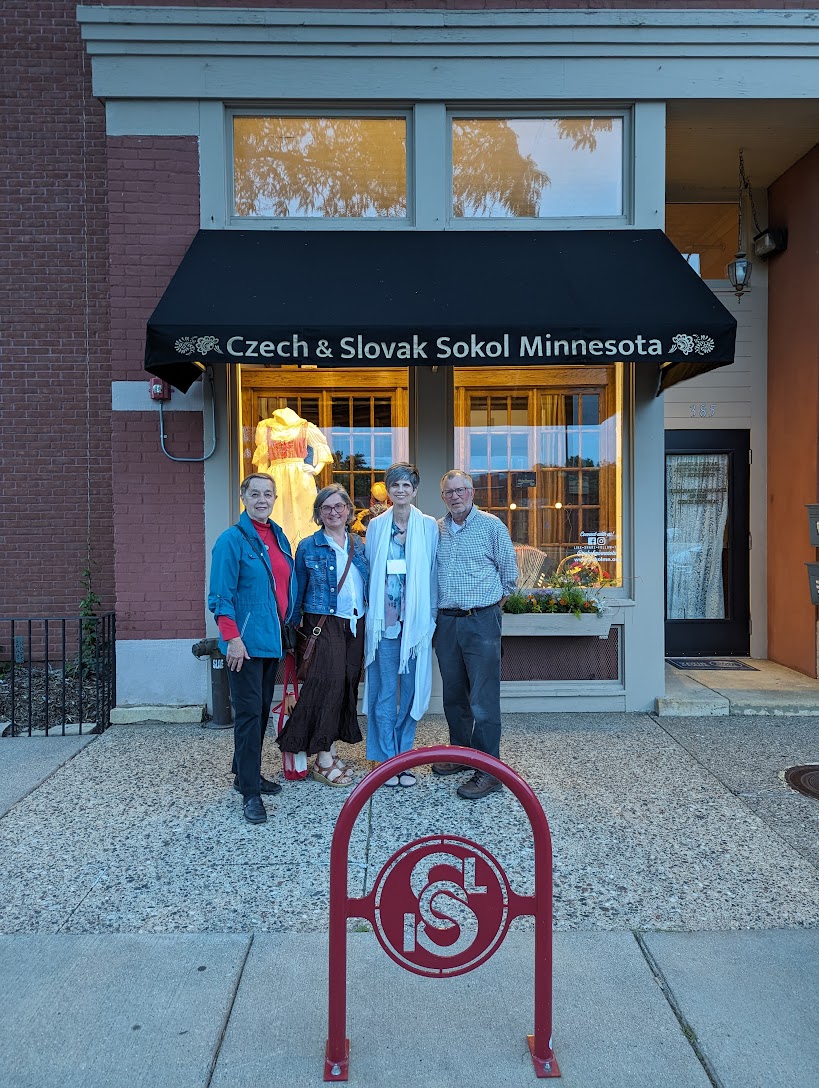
<point>469,657</point>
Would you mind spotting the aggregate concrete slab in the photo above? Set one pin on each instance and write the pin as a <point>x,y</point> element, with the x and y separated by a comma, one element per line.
<point>612,1024</point>
<point>115,1011</point>
<point>142,832</point>
<point>750,757</point>
<point>685,696</point>
<point>751,1000</point>
<point>26,762</point>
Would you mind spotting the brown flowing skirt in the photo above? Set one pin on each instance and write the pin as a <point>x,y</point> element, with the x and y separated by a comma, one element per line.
<point>326,708</point>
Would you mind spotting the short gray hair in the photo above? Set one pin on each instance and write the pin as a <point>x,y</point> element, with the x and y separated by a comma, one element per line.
<point>245,484</point>
<point>453,472</point>
<point>402,470</point>
<point>327,493</point>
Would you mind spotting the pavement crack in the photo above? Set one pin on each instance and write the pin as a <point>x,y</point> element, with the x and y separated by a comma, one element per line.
<point>673,1004</point>
<point>743,796</point>
<point>228,1013</point>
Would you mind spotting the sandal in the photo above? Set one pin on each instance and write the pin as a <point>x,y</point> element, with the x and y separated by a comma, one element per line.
<point>391,782</point>
<point>407,778</point>
<point>334,774</point>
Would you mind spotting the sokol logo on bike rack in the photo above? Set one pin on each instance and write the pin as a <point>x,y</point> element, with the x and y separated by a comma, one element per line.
<point>441,906</point>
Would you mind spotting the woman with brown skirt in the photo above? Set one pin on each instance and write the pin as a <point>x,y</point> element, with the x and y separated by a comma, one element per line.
<point>331,572</point>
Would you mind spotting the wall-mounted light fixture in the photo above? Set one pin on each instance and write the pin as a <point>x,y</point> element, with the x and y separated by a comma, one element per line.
<point>766,242</point>
<point>770,242</point>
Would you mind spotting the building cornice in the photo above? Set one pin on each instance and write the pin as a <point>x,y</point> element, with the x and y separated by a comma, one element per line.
<point>637,53</point>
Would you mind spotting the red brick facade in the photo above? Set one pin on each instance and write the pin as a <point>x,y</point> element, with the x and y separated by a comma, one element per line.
<point>159,528</point>
<point>56,389</point>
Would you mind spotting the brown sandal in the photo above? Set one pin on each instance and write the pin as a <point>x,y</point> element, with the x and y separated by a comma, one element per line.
<point>334,774</point>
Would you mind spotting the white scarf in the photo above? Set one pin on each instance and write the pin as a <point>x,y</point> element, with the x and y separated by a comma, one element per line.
<point>417,623</point>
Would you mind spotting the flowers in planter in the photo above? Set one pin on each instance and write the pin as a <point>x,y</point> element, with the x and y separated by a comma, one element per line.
<point>558,598</point>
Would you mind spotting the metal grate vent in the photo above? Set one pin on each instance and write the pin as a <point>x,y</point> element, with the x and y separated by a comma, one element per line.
<point>554,657</point>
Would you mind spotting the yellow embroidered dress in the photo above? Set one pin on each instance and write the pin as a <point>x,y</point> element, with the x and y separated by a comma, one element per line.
<point>282,442</point>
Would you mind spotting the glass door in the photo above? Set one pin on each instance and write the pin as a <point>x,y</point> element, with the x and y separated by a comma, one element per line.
<point>707,558</point>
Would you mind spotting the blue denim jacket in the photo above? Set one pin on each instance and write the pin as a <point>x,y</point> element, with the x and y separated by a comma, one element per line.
<point>317,576</point>
<point>240,588</point>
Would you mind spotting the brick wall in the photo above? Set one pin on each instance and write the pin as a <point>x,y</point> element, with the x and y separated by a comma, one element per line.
<point>55,418</point>
<point>158,503</point>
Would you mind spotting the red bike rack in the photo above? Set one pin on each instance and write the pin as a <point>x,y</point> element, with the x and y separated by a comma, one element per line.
<point>438,945</point>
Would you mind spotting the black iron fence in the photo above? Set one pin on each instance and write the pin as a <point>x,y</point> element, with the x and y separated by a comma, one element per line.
<point>57,675</point>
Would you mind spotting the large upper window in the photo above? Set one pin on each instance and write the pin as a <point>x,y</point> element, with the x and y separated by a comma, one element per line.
<point>319,167</point>
<point>537,167</point>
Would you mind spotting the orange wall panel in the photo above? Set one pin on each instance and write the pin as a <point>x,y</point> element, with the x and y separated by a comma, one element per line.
<point>793,414</point>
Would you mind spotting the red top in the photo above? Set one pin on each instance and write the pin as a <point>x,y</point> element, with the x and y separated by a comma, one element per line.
<point>281,576</point>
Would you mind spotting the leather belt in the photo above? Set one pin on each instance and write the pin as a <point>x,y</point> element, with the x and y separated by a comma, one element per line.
<point>460,612</point>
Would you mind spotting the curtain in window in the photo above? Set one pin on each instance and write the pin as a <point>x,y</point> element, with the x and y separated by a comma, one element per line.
<point>696,519</point>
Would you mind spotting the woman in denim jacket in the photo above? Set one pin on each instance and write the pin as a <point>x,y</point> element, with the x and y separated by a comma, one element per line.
<point>326,710</point>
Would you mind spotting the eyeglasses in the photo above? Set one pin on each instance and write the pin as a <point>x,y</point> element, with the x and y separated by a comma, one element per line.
<point>336,509</point>
<point>455,492</point>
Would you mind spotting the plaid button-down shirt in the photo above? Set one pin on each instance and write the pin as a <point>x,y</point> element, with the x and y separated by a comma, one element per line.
<point>476,564</point>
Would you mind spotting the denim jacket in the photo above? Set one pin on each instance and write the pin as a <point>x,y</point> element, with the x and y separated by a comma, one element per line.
<point>317,576</point>
<point>240,588</point>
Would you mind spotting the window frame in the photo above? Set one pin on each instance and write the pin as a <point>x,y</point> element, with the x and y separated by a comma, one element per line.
<point>290,222</point>
<point>511,113</point>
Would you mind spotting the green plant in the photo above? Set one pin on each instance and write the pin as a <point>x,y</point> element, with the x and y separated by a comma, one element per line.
<point>566,598</point>
<point>89,631</point>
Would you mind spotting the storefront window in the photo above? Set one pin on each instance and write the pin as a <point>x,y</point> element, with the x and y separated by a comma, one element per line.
<point>543,446</point>
<point>544,449</point>
<point>537,167</point>
<point>320,167</point>
<point>349,424</point>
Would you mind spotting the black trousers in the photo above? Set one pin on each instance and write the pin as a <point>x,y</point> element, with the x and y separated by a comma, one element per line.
<point>251,692</point>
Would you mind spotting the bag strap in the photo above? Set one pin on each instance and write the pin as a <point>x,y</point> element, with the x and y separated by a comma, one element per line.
<point>347,568</point>
<point>259,550</point>
<point>320,621</point>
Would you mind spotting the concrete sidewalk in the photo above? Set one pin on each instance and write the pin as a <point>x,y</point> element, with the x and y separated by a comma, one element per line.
<point>151,937</point>
<point>238,1011</point>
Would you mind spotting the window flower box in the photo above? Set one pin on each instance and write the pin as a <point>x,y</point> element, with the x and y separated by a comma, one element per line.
<point>558,623</point>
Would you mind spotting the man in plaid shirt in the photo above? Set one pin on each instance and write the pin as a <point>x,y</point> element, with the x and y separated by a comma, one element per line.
<point>477,571</point>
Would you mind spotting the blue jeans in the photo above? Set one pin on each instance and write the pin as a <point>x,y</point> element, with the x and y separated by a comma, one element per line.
<point>390,729</point>
<point>468,649</point>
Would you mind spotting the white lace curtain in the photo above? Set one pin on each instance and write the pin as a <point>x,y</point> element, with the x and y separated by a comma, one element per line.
<point>696,516</point>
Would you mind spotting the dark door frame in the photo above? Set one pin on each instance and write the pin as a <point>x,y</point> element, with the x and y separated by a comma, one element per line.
<point>732,635</point>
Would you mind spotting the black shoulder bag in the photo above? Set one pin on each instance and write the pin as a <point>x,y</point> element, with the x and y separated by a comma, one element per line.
<point>288,631</point>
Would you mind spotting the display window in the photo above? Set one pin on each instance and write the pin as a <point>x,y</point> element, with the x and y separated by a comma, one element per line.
<point>544,449</point>
<point>309,427</point>
<point>543,446</point>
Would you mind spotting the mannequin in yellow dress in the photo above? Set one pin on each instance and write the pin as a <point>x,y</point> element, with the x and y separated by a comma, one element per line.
<point>282,442</point>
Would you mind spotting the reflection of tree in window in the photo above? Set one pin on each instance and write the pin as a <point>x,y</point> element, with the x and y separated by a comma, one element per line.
<point>490,172</point>
<point>338,167</point>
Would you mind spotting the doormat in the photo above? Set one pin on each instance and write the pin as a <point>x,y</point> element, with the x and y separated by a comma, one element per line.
<point>714,664</point>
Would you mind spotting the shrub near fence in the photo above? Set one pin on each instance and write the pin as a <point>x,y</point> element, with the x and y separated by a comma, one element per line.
<point>57,674</point>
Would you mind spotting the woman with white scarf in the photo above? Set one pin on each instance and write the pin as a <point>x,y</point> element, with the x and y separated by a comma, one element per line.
<point>401,547</point>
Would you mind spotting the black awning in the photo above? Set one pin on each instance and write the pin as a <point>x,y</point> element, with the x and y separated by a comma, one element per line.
<point>381,298</point>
